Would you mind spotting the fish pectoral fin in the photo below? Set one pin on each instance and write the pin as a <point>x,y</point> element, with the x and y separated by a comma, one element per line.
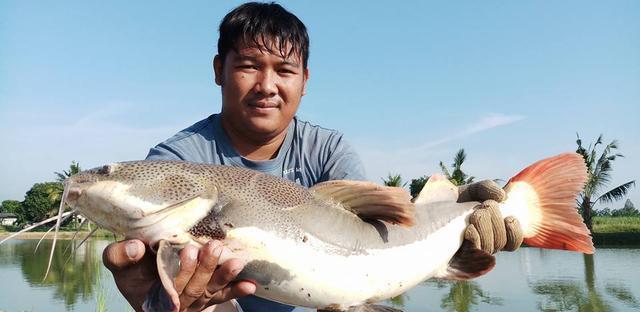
<point>165,298</point>
<point>467,263</point>
<point>369,200</point>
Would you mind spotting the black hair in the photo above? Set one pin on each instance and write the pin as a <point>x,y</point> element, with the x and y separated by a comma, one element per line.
<point>264,25</point>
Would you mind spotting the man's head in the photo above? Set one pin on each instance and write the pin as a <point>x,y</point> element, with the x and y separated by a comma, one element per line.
<point>262,68</point>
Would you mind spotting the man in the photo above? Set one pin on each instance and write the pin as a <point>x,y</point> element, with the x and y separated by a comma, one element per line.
<point>261,68</point>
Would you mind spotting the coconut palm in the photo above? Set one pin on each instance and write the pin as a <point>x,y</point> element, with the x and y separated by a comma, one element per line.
<point>457,176</point>
<point>393,180</point>
<point>55,192</point>
<point>74,169</point>
<point>56,189</point>
<point>599,169</point>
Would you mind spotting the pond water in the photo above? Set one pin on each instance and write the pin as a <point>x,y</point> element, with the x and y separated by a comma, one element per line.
<point>527,280</point>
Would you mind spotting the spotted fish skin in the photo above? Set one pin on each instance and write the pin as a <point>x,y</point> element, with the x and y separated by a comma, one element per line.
<point>301,248</point>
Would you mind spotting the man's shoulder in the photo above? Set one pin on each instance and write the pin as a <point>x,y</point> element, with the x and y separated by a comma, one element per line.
<point>193,143</point>
<point>199,130</point>
<point>306,129</point>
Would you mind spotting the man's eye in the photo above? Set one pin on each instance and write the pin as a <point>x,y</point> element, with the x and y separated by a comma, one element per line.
<point>247,66</point>
<point>286,71</point>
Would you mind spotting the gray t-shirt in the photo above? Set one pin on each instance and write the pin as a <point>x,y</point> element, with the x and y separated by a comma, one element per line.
<point>309,154</point>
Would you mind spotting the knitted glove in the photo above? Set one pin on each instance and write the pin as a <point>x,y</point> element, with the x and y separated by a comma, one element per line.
<point>487,230</point>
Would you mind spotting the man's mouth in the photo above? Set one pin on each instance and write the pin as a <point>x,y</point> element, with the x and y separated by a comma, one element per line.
<point>263,105</point>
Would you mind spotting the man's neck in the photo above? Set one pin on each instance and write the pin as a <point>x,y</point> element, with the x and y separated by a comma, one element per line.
<point>254,147</point>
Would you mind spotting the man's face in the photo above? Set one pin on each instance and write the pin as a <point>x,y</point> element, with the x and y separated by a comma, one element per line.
<point>261,91</point>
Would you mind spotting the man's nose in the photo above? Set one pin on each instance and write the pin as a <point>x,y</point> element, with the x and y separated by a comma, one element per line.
<point>267,83</point>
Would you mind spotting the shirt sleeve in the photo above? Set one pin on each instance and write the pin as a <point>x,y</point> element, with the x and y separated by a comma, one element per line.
<point>343,162</point>
<point>163,152</point>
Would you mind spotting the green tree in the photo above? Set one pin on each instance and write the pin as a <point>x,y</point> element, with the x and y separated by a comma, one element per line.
<point>37,203</point>
<point>457,176</point>
<point>606,212</point>
<point>599,168</point>
<point>10,205</point>
<point>416,185</point>
<point>56,190</point>
<point>74,169</point>
<point>627,211</point>
<point>394,180</point>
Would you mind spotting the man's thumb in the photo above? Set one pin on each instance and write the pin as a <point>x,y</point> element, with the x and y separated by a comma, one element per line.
<point>119,255</point>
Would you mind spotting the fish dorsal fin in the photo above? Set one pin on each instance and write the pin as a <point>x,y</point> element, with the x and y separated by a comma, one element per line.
<point>437,189</point>
<point>369,200</point>
<point>467,263</point>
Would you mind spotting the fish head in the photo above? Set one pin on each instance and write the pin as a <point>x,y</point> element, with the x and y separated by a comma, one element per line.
<point>136,198</point>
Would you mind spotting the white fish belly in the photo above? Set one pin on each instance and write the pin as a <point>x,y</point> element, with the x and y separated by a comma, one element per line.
<point>320,279</point>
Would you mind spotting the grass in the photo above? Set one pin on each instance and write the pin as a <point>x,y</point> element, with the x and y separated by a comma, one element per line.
<point>616,224</point>
<point>68,230</point>
<point>616,231</point>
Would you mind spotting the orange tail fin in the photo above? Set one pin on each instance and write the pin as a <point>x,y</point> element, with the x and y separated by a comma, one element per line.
<point>548,190</point>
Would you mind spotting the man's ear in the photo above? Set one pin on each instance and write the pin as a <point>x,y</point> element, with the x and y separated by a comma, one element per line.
<point>217,69</point>
<point>305,75</point>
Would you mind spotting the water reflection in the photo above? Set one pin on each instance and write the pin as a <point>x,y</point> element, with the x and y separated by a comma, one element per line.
<point>460,296</point>
<point>564,295</point>
<point>73,275</point>
<point>464,295</point>
<point>525,280</point>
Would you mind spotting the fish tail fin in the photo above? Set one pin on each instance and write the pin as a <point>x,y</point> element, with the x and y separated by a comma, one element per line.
<point>543,199</point>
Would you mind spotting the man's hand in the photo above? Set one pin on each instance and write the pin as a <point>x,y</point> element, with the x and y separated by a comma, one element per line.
<point>487,229</point>
<point>200,281</point>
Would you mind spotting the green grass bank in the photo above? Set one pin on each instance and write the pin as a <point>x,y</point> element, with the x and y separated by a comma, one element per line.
<point>616,231</point>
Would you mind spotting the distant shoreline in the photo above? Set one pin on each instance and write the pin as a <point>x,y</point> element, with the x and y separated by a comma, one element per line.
<point>61,235</point>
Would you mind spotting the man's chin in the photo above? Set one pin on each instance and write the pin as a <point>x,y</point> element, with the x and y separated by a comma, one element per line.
<point>263,127</point>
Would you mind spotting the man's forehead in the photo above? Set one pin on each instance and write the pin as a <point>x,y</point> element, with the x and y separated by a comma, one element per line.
<point>250,49</point>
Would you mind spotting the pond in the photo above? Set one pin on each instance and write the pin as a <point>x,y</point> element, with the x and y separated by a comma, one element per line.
<point>527,280</point>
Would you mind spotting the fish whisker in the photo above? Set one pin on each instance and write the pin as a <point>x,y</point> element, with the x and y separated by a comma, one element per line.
<point>55,234</point>
<point>75,234</point>
<point>27,229</point>
<point>42,238</point>
<point>87,237</point>
<point>64,218</point>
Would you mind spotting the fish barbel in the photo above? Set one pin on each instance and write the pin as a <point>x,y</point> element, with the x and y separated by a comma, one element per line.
<point>307,247</point>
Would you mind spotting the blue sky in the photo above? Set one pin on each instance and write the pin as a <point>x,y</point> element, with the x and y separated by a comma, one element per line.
<point>409,83</point>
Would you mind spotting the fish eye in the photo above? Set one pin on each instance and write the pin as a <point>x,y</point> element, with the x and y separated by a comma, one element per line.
<point>105,170</point>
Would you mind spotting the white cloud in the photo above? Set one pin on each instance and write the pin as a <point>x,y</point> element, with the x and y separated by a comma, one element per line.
<point>485,123</point>
<point>423,159</point>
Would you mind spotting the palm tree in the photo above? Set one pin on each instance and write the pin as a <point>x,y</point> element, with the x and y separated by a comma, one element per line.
<point>599,170</point>
<point>457,177</point>
<point>55,190</point>
<point>393,180</point>
<point>74,169</point>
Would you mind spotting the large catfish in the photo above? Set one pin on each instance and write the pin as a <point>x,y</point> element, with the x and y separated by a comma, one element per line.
<point>308,247</point>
